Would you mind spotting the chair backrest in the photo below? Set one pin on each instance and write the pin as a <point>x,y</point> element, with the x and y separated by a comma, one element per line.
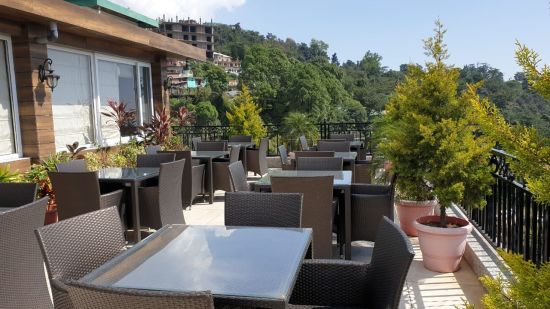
<point>75,193</point>
<point>234,153</point>
<point>345,137</point>
<point>169,199</point>
<point>391,258</point>
<point>341,146</point>
<point>17,194</point>
<point>212,146</point>
<point>195,140</point>
<point>315,154</point>
<point>74,247</point>
<point>72,166</point>
<point>154,160</point>
<point>303,143</point>
<point>88,296</point>
<point>22,272</point>
<point>263,209</point>
<point>316,208</point>
<point>238,177</point>
<point>152,149</point>
<point>319,164</point>
<point>283,155</point>
<point>241,138</point>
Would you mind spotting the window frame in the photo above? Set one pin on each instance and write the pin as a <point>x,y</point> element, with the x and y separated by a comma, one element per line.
<point>18,153</point>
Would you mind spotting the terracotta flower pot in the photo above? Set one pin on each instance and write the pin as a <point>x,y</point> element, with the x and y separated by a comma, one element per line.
<point>442,248</point>
<point>409,211</point>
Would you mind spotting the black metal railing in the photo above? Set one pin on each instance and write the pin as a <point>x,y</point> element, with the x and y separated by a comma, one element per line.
<point>512,220</point>
<point>361,131</point>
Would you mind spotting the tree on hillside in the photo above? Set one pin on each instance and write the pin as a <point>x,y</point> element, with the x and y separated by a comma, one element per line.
<point>244,117</point>
<point>334,59</point>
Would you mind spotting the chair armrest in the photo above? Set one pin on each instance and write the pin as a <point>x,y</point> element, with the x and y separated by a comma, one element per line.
<point>58,285</point>
<point>111,199</point>
<point>330,283</point>
<point>370,189</point>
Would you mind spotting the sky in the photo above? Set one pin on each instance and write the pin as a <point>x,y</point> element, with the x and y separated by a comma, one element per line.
<point>478,31</point>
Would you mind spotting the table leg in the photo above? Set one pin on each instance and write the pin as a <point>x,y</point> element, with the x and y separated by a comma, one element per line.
<point>210,181</point>
<point>135,211</point>
<point>347,223</point>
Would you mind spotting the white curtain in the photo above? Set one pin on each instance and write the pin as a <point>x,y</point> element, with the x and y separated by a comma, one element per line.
<point>117,82</point>
<point>72,99</point>
<point>7,140</point>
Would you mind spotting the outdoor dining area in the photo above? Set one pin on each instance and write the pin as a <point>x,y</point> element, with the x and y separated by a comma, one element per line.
<point>122,240</point>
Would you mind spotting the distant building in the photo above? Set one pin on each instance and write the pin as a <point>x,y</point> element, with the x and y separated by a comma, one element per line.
<point>229,64</point>
<point>189,31</point>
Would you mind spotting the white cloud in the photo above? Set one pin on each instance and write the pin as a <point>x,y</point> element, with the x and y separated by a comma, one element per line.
<point>205,9</point>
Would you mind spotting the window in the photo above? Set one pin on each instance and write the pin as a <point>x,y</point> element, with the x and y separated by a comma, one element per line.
<point>146,99</point>
<point>193,38</point>
<point>72,100</point>
<point>185,37</point>
<point>8,114</point>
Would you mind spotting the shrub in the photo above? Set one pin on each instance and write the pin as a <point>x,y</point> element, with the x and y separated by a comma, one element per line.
<point>6,175</point>
<point>244,117</point>
<point>296,124</point>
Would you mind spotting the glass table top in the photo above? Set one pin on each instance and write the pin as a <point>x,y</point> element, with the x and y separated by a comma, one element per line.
<point>208,154</point>
<point>128,173</point>
<point>228,261</point>
<point>351,155</point>
<point>341,178</point>
<point>242,144</point>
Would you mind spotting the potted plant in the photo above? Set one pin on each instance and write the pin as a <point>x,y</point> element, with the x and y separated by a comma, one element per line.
<point>435,147</point>
<point>124,119</point>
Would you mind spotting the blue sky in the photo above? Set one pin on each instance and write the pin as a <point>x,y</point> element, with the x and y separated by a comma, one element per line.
<point>482,31</point>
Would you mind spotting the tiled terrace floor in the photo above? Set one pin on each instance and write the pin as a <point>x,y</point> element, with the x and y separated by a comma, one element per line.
<point>423,288</point>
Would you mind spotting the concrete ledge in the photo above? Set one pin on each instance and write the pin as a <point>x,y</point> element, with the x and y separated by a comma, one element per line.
<point>480,254</point>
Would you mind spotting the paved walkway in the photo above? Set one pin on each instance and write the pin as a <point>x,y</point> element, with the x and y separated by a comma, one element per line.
<point>423,288</point>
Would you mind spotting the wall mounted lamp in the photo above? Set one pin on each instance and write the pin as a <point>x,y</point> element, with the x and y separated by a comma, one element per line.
<point>45,74</point>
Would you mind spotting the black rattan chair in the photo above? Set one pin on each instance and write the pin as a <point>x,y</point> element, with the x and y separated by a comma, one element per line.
<point>314,154</point>
<point>192,183</point>
<point>17,194</point>
<point>72,166</point>
<point>334,145</point>
<point>263,209</point>
<point>345,137</point>
<point>162,205</point>
<point>241,138</point>
<point>220,170</point>
<point>212,146</point>
<point>238,177</point>
<point>257,158</point>
<point>319,164</point>
<point>22,272</point>
<point>303,144</point>
<point>154,160</point>
<point>88,296</point>
<point>152,149</point>
<point>74,247</point>
<point>195,140</point>
<point>286,164</point>
<point>336,283</point>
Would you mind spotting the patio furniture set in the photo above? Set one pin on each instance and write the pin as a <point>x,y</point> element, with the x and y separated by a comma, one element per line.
<point>275,250</point>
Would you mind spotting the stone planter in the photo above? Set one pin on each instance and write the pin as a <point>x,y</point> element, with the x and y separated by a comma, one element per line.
<point>442,248</point>
<point>409,211</point>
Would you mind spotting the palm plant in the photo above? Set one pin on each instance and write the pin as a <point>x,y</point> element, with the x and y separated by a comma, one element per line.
<point>124,119</point>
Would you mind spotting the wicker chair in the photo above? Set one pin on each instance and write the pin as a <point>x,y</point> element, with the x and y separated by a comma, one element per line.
<point>88,296</point>
<point>74,247</point>
<point>257,158</point>
<point>303,144</point>
<point>72,166</point>
<point>78,193</point>
<point>363,171</point>
<point>336,283</point>
<point>154,160</point>
<point>316,208</point>
<point>220,170</point>
<point>212,146</point>
<point>286,164</point>
<point>22,272</point>
<point>241,138</point>
<point>162,205</point>
<point>345,137</point>
<point>238,177</point>
<point>17,194</point>
<point>152,149</point>
<point>263,209</point>
<point>339,146</point>
<point>319,164</point>
<point>192,183</point>
<point>195,140</point>
<point>315,154</point>
<point>369,204</point>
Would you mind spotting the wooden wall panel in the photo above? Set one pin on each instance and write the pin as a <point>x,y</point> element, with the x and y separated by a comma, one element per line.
<point>21,165</point>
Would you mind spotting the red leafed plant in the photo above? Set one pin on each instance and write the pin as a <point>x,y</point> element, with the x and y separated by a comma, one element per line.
<point>185,116</point>
<point>159,129</point>
<point>124,119</point>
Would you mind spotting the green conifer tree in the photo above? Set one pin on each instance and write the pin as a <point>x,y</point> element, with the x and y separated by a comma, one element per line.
<point>244,117</point>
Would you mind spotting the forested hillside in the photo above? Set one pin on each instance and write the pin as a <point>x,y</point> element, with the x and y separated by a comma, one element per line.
<point>285,76</point>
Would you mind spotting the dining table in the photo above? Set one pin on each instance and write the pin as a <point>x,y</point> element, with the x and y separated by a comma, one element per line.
<point>342,183</point>
<point>207,157</point>
<point>240,266</point>
<point>131,178</point>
